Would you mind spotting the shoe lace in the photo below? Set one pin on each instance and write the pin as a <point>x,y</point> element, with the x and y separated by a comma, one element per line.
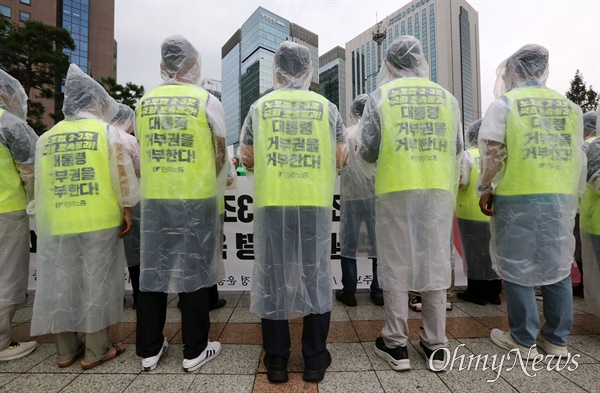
<point>13,344</point>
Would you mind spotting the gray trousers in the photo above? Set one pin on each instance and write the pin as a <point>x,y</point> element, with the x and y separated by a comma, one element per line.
<point>6,315</point>
<point>69,343</point>
<point>395,330</point>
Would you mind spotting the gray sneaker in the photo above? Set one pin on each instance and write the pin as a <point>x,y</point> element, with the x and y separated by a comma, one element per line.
<point>17,350</point>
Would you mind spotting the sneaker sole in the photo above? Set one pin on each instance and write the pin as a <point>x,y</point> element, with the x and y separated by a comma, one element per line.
<point>201,363</point>
<point>551,352</point>
<point>438,366</point>
<point>509,348</point>
<point>19,356</point>
<point>153,367</point>
<point>398,365</point>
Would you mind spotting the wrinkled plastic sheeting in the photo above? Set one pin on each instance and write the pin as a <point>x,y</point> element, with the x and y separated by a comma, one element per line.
<point>475,243</point>
<point>591,266</point>
<point>473,134</point>
<point>84,97</point>
<point>14,257</point>
<point>404,58</point>
<point>180,62</point>
<point>292,66</point>
<point>124,120</point>
<point>528,64</point>
<point>12,96</point>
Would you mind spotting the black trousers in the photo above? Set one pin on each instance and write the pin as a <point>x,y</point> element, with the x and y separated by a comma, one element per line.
<point>134,276</point>
<point>152,314</point>
<point>276,339</point>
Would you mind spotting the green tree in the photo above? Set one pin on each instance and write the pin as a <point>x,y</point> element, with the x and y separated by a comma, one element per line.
<point>586,98</point>
<point>129,94</point>
<point>32,52</point>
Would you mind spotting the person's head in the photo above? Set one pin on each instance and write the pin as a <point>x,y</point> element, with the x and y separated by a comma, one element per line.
<point>180,61</point>
<point>357,108</point>
<point>84,95</point>
<point>404,58</point>
<point>527,65</point>
<point>124,120</point>
<point>12,96</point>
<point>589,124</point>
<point>473,133</point>
<point>292,66</point>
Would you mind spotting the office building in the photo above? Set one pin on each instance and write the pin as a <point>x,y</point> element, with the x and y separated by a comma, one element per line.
<point>332,77</point>
<point>213,86</point>
<point>247,63</point>
<point>449,34</point>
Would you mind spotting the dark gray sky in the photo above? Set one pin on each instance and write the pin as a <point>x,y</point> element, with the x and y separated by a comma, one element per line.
<point>569,29</point>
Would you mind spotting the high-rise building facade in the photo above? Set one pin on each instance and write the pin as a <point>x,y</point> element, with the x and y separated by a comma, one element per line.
<point>213,86</point>
<point>449,34</point>
<point>247,63</point>
<point>332,77</point>
<point>90,22</point>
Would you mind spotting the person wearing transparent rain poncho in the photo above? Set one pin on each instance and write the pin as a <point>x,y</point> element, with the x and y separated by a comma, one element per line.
<point>590,225</point>
<point>483,283</point>
<point>292,139</point>
<point>530,145</point>
<point>17,157</point>
<point>357,194</point>
<point>181,130</point>
<point>411,132</point>
<point>85,186</point>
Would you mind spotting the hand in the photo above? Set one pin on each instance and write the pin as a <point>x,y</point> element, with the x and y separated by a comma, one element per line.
<point>126,227</point>
<point>486,204</point>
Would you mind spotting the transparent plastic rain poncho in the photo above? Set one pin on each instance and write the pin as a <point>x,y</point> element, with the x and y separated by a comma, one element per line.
<point>413,218</point>
<point>83,180</point>
<point>17,156</point>
<point>181,130</point>
<point>357,194</point>
<point>589,128</point>
<point>590,229</point>
<point>530,145</point>
<point>474,226</point>
<point>286,132</point>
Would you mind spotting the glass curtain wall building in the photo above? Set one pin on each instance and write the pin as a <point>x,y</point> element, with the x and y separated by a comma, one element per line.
<point>449,35</point>
<point>332,77</point>
<point>75,19</point>
<point>247,63</point>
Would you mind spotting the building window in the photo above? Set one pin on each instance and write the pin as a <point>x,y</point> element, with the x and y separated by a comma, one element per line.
<point>28,2</point>
<point>5,11</point>
<point>24,16</point>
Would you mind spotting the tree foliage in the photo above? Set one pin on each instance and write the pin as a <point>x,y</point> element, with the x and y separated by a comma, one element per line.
<point>586,98</point>
<point>129,94</point>
<point>32,52</point>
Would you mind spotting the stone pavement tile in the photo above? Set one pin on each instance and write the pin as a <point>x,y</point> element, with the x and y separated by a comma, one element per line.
<point>339,313</point>
<point>232,297</point>
<point>473,380</point>
<point>342,382</point>
<point>164,383</point>
<point>295,362</point>
<point>348,357</point>
<point>120,331</point>
<point>222,383</point>
<point>537,381</point>
<point>49,366</point>
<point>368,330</point>
<point>100,383</point>
<point>213,334</point>
<point>243,315</point>
<point>295,384</point>
<point>21,332</point>
<point>419,362</point>
<point>466,327</point>
<point>484,346</point>
<point>365,313</point>
<point>589,345</point>
<point>585,376</point>
<point>38,383</point>
<point>129,315</point>
<point>342,332</point>
<point>23,314</point>
<point>221,315</point>
<point>297,320</point>
<point>173,315</point>
<point>416,361</point>
<point>244,300</point>
<point>411,381</point>
<point>41,353</point>
<point>590,323</point>
<point>478,311</point>
<point>455,313</point>
<point>234,359</point>
<point>363,299</point>
<point>169,363</point>
<point>126,363</point>
<point>494,322</point>
<point>6,378</point>
<point>241,333</point>
<point>416,315</point>
<point>580,305</point>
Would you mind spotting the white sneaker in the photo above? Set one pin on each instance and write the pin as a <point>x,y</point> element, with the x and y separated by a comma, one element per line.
<point>210,352</point>
<point>549,348</point>
<point>149,364</point>
<point>505,340</point>
<point>17,350</point>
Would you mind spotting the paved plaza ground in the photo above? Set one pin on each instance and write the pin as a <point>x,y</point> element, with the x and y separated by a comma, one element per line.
<point>354,368</point>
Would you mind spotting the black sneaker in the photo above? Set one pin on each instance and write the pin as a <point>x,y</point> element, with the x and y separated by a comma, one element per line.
<point>346,298</point>
<point>317,375</point>
<point>468,296</point>
<point>438,362</point>
<point>397,357</point>
<point>377,299</point>
<point>494,299</point>
<point>276,369</point>
<point>219,304</point>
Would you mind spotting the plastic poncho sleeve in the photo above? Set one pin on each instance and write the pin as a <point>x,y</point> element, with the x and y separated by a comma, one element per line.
<point>465,171</point>
<point>128,181</point>
<point>216,120</point>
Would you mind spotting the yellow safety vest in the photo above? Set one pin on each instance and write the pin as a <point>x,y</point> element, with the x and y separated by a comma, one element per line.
<point>543,148</point>
<point>12,193</point>
<point>177,153</point>
<point>591,139</point>
<point>467,201</point>
<point>418,137</point>
<point>294,150</point>
<point>77,186</point>
<point>589,212</point>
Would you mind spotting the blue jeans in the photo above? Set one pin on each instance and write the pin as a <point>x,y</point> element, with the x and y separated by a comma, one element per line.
<point>523,317</point>
<point>349,277</point>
